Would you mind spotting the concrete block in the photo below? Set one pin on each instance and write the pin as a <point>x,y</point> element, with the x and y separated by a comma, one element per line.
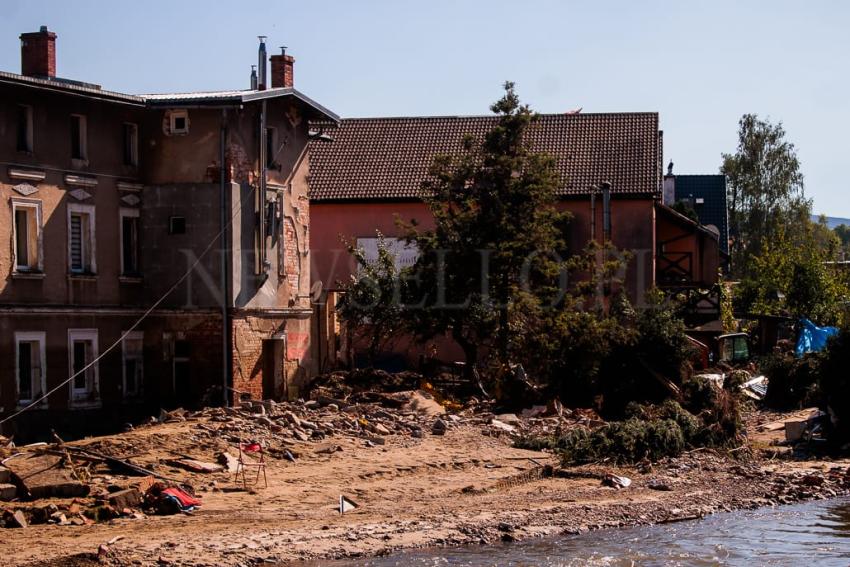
<point>43,476</point>
<point>8,492</point>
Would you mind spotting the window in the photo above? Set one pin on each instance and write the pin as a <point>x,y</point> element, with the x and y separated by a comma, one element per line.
<point>131,144</point>
<point>179,122</point>
<point>82,348</point>
<point>270,147</point>
<point>30,366</point>
<point>130,242</point>
<point>405,254</point>
<point>78,137</point>
<point>132,350</point>
<point>81,241</point>
<point>24,135</point>
<point>177,225</point>
<point>27,236</point>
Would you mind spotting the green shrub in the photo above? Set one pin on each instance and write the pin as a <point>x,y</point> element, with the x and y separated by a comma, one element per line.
<point>623,442</point>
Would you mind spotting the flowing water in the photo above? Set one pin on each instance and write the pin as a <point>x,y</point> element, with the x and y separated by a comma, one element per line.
<point>811,534</point>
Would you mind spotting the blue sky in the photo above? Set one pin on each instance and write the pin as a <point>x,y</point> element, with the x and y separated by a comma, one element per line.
<point>699,64</point>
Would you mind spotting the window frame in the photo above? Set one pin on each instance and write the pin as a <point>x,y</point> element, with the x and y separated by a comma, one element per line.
<point>140,336</point>
<point>36,205</point>
<point>172,121</point>
<point>122,214</point>
<point>131,144</point>
<point>82,139</point>
<point>28,135</point>
<point>79,208</point>
<point>79,398</point>
<point>171,220</point>
<point>41,338</point>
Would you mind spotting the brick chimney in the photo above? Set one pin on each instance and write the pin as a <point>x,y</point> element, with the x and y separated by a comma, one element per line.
<point>282,70</point>
<point>38,53</point>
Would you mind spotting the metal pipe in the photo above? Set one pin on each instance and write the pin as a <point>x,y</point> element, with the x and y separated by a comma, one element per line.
<point>225,324</point>
<point>261,64</point>
<point>606,211</point>
<point>593,214</point>
<point>262,268</point>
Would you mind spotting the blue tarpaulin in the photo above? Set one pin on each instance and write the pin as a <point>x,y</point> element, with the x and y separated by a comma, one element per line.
<point>813,338</point>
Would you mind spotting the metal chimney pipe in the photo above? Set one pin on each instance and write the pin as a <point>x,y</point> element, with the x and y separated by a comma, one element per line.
<point>261,64</point>
<point>253,77</point>
<point>606,210</point>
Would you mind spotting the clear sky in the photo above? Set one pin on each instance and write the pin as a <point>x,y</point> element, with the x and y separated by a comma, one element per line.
<point>699,64</point>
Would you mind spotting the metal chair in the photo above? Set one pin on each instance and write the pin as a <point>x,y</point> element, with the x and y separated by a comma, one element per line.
<point>252,457</point>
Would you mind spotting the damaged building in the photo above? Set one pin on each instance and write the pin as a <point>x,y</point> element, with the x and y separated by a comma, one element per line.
<point>188,212</point>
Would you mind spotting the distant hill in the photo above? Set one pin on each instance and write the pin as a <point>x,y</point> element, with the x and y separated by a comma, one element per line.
<point>832,222</point>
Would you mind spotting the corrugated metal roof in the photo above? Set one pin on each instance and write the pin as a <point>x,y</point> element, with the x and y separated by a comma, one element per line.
<point>69,87</point>
<point>389,158</point>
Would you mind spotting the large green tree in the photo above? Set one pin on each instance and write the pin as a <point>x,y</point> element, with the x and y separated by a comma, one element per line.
<point>498,239</point>
<point>765,193</point>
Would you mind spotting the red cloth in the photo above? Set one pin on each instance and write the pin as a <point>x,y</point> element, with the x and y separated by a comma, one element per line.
<point>251,447</point>
<point>186,501</point>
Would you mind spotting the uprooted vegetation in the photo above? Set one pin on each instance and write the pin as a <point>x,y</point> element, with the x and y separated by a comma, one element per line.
<point>653,431</point>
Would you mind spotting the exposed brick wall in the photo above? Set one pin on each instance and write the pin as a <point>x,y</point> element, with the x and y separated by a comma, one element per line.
<point>249,332</point>
<point>282,71</point>
<point>38,53</point>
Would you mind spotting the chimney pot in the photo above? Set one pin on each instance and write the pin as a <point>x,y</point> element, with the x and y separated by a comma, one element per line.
<point>38,53</point>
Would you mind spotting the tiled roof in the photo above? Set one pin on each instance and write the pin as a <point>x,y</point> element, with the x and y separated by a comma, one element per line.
<point>712,211</point>
<point>388,158</point>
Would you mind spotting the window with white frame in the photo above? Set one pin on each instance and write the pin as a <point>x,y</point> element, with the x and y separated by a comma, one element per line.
<point>131,144</point>
<point>132,348</point>
<point>82,352</point>
<point>130,242</point>
<point>79,137</point>
<point>30,366</point>
<point>26,235</point>
<point>81,239</point>
<point>178,121</point>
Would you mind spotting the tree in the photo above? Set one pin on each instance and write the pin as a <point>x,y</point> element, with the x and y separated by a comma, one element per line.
<point>765,190</point>
<point>498,239</point>
<point>372,304</point>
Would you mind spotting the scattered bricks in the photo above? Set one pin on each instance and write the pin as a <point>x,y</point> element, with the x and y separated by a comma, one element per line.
<point>129,498</point>
<point>8,492</point>
<point>15,519</point>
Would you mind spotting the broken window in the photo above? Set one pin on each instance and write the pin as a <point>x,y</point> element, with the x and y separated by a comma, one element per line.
<point>130,242</point>
<point>29,367</point>
<point>78,137</point>
<point>27,235</point>
<point>83,352</point>
<point>81,253</point>
<point>24,128</point>
<point>131,144</point>
<point>132,349</point>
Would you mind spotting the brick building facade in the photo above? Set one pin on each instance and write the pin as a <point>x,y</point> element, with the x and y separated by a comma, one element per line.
<point>187,211</point>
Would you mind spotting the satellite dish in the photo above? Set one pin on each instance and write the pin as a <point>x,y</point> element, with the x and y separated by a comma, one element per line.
<point>316,291</point>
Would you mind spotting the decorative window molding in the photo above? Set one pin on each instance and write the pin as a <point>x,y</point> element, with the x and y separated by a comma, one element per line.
<point>82,253</point>
<point>30,367</point>
<point>27,236</point>
<point>82,351</point>
<point>128,186</point>
<point>131,199</point>
<point>80,194</point>
<point>27,174</point>
<point>80,181</point>
<point>25,189</point>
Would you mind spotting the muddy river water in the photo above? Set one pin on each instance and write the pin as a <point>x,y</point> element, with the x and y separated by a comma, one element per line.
<point>810,534</point>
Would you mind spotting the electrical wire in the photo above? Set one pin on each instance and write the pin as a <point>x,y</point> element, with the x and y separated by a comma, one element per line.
<point>156,304</point>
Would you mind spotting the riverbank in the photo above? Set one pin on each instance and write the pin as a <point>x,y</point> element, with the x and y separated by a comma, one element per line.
<point>467,486</point>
